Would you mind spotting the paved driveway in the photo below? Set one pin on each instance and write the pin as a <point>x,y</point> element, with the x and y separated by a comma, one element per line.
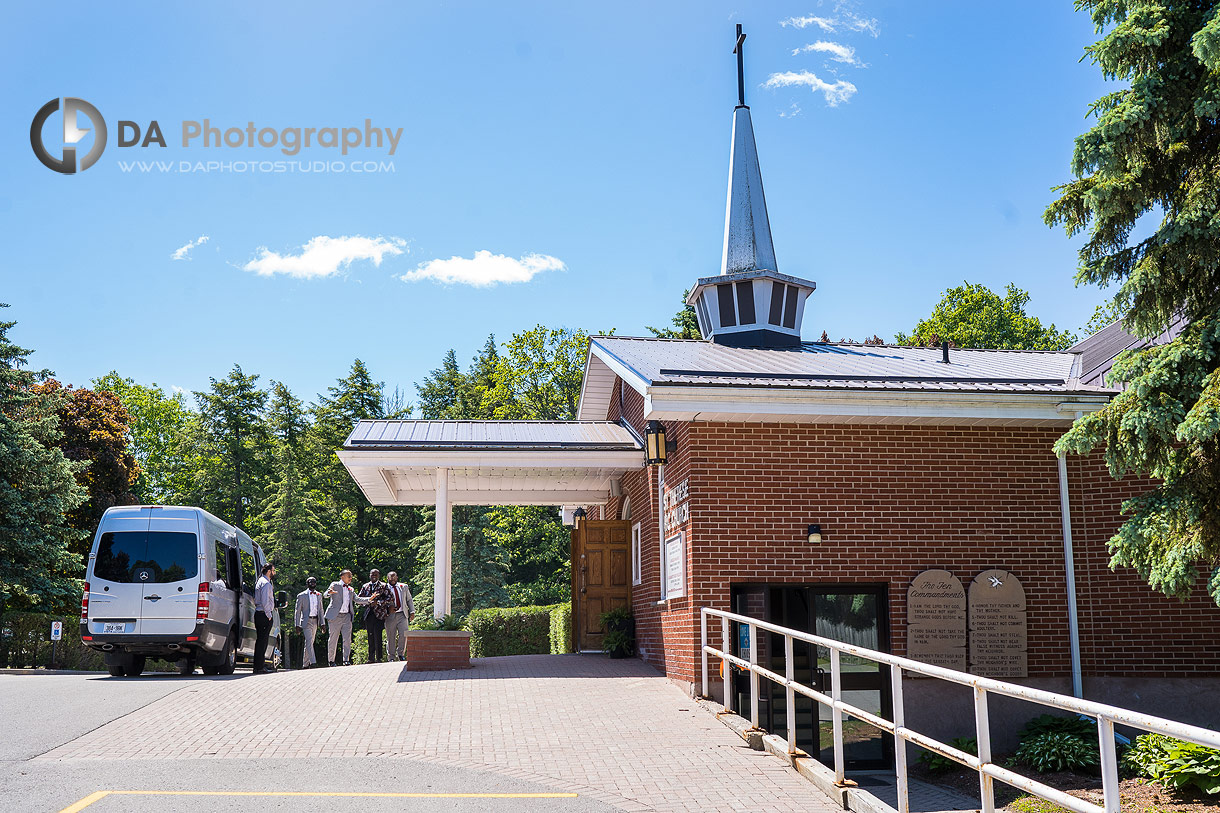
<point>615,733</point>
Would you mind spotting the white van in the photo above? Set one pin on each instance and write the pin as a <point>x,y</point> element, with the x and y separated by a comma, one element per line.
<point>173,583</point>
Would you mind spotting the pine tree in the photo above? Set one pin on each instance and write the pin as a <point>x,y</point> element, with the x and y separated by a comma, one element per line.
<point>444,393</point>
<point>231,445</point>
<point>292,534</point>
<point>38,490</point>
<point>685,324</point>
<point>479,563</point>
<point>1155,150</point>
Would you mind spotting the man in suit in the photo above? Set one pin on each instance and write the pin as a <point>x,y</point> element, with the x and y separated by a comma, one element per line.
<point>309,617</point>
<point>374,593</point>
<point>396,623</point>
<point>339,615</point>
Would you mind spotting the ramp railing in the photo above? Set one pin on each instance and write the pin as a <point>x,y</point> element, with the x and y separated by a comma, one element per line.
<point>988,771</point>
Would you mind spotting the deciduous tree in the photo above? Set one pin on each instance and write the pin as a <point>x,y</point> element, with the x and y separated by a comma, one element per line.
<point>973,315</point>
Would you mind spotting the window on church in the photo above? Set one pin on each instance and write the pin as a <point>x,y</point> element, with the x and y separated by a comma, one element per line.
<point>745,303</point>
<point>777,303</point>
<point>724,297</point>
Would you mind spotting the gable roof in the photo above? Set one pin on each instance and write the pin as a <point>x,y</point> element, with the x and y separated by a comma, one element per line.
<point>1098,352</point>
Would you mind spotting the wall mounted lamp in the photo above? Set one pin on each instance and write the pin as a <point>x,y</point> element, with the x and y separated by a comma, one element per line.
<point>578,515</point>
<point>655,447</point>
<point>815,534</point>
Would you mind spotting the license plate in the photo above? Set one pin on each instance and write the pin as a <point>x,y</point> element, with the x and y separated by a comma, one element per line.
<point>117,626</point>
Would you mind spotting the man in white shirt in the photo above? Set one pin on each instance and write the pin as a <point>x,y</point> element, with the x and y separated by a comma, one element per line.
<point>396,622</point>
<point>309,618</point>
<point>339,614</point>
<point>264,612</point>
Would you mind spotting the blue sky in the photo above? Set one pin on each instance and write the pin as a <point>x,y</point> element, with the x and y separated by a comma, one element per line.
<point>581,148</point>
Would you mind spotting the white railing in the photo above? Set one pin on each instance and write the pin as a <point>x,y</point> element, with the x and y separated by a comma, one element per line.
<point>987,770</point>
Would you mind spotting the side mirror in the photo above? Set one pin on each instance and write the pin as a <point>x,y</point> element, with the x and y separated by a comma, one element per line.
<point>281,599</point>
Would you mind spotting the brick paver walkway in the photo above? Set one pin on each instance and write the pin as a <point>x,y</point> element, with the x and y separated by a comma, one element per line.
<point>613,730</point>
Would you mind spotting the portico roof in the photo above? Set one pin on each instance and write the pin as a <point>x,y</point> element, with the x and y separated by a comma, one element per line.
<point>490,462</point>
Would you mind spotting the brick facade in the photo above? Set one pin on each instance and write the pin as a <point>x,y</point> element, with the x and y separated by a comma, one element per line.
<point>892,501</point>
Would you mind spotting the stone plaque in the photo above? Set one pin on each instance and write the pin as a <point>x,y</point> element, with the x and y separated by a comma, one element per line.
<point>936,619</point>
<point>998,636</point>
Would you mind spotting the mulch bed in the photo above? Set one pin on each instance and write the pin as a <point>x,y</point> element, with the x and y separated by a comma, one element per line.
<point>1137,795</point>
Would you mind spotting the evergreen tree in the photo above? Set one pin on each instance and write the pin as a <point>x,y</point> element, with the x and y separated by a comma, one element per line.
<point>444,394</point>
<point>231,444</point>
<point>291,532</point>
<point>975,316</point>
<point>38,490</point>
<point>685,325</point>
<point>353,398</point>
<point>480,397</point>
<point>538,551</point>
<point>479,564</point>
<point>1155,149</point>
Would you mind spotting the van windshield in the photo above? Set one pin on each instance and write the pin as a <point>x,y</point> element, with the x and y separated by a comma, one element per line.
<point>154,557</point>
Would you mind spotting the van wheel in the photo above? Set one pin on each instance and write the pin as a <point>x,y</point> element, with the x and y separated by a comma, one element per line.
<point>135,666</point>
<point>228,658</point>
<point>115,669</point>
<point>186,666</point>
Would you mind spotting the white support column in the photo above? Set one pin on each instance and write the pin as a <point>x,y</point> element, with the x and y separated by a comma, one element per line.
<point>443,551</point>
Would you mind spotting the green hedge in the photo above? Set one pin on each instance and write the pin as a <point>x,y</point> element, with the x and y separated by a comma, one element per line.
<point>561,629</point>
<point>25,640</point>
<point>510,631</point>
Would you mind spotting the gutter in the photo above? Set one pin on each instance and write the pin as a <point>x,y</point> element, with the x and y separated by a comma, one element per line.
<point>1069,565</point>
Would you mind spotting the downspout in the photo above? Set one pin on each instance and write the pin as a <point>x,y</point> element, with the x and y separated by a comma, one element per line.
<point>1069,564</point>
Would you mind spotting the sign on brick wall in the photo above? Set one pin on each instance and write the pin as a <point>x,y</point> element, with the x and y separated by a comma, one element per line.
<point>998,635</point>
<point>936,619</point>
<point>677,507</point>
<point>675,566</point>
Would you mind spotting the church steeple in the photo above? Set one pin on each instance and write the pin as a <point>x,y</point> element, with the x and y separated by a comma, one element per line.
<point>726,305</point>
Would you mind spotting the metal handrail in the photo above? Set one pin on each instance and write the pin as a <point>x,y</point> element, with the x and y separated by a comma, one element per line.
<point>987,770</point>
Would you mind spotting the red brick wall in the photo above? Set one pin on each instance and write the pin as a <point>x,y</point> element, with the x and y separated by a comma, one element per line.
<point>430,653</point>
<point>893,501</point>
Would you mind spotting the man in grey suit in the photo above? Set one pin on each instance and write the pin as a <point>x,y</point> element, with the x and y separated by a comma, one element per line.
<point>339,615</point>
<point>309,617</point>
<point>396,622</point>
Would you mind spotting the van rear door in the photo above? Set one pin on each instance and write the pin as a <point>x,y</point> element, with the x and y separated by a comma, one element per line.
<point>170,572</point>
<point>115,594</point>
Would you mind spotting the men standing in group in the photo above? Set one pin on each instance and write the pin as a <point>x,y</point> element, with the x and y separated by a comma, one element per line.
<point>309,618</point>
<point>339,615</point>
<point>264,612</point>
<point>374,594</point>
<point>397,621</point>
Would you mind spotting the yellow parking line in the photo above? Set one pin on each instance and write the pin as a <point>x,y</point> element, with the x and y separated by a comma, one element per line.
<point>101,794</point>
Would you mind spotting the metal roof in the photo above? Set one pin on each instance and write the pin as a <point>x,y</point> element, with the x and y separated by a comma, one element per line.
<point>845,366</point>
<point>1097,352</point>
<point>477,435</point>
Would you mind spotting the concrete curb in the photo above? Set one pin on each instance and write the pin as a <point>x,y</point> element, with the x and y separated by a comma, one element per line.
<point>35,670</point>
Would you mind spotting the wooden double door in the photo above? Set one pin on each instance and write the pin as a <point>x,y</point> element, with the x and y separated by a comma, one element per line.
<point>601,576</point>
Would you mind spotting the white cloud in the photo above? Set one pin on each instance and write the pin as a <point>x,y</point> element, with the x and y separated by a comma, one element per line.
<point>835,93</point>
<point>181,253</point>
<point>793,110</point>
<point>325,256</point>
<point>484,269</point>
<point>865,25</point>
<point>178,390</point>
<point>824,23</point>
<point>838,52</point>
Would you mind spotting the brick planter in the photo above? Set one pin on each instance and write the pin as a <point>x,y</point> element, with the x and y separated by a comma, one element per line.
<point>436,650</point>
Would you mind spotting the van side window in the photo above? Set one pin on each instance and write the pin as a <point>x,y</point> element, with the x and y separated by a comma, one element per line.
<point>222,563</point>
<point>247,572</point>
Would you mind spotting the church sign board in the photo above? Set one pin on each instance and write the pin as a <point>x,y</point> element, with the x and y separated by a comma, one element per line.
<point>936,619</point>
<point>998,635</point>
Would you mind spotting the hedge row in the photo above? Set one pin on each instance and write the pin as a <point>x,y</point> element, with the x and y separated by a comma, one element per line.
<point>512,630</point>
<point>561,629</point>
<point>25,640</point>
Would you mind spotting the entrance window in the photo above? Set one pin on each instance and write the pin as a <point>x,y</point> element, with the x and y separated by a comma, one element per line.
<point>637,570</point>
<point>853,614</point>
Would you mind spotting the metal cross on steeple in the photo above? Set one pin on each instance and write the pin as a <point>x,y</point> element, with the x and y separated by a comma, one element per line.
<point>739,49</point>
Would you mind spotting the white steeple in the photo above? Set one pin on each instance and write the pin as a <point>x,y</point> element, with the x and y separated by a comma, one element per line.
<point>747,231</point>
<point>750,304</point>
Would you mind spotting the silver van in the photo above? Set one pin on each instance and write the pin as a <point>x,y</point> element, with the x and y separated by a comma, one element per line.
<point>173,583</point>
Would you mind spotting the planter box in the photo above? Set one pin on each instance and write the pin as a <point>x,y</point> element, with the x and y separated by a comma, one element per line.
<point>436,650</point>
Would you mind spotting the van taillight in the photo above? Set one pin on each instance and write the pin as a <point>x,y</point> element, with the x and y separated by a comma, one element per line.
<point>84,604</point>
<point>205,601</point>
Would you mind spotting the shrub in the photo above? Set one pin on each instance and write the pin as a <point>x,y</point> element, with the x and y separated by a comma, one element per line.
<point>1085,728</point>
<point>618,643</point>
<point>449,622</point>
<point>1057,751</point>
<point>509,631</point>
<point>616,617</point>
<point>561,629</point>
<point>936,763</point>
<point>1175,764</point>
<point>25,640</point>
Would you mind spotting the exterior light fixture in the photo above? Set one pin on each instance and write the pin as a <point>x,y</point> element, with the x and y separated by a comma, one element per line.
<point>815,534</point>
<point>578,515</point>
<point>654,444</point>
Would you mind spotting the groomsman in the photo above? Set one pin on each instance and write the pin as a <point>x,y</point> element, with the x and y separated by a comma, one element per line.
<point>309,617</point>
<point>339,615</point>
<point>396,623</point>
